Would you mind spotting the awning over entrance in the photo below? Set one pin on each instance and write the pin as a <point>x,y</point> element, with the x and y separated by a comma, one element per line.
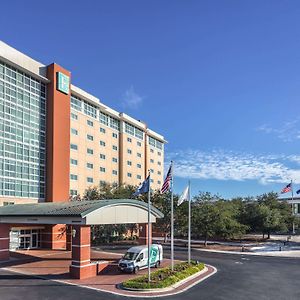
<point>94,212</point>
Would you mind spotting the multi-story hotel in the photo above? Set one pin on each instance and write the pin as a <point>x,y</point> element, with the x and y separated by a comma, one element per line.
<point>57,140</point>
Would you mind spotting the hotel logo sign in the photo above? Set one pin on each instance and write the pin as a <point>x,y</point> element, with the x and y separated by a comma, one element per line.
<point>63,83</point>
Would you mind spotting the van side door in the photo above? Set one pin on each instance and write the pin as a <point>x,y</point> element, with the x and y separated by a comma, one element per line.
<point>140,260</point>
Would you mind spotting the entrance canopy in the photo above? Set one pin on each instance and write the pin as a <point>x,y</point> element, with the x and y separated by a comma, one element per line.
<point>94,212</point>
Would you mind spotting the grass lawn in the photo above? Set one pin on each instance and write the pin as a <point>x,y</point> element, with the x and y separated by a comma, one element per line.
<point>165,277</point>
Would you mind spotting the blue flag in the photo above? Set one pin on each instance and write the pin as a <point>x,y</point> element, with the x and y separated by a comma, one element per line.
<point>143,188</point>
<point>298,192</point>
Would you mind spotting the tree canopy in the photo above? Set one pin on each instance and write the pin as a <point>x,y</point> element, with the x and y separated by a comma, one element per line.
<point>212,216</point>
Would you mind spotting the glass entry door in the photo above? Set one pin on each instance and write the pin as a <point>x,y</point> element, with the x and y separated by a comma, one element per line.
<point>29,239</point>
<point>34,240</point>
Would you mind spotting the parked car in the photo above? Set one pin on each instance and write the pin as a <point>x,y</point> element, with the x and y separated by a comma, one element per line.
<point>136,258</point>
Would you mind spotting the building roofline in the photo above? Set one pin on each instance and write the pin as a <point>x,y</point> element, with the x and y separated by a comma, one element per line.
<point>23,62</point>
<point>35,68</point>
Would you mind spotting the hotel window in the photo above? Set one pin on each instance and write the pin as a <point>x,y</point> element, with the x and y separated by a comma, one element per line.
<point>139,155</point>
<point>138,176</point>
<point>114,123</point>
<point>159,172</point>
<point>129,174</point>
<point>139,166</point>
<point>129,128</point>
<point>152,141</point>
<point>114,135</point>
<point>129,140</point>
<point>159,153</point>
<point>90,123</point>
<point>129,163</point>
<point>151,150</point>
<point>115,148</point>
<point>102,130</point>
<point>115,172</point>
<point>76,103</point>
<point>139,133</point>
<point>102,183</point>
<point>73,177</point>
<point>74,116</point>
<point>134,131</point>
<point>90,151</point>
<point>152,160</point>
<point>158,182</point>
<point>115,160</point>
<point>73,192</point>
<point>129,151</point>
<point>89,137</point>
<point>90,109</point>
<point>74,147</point>
<point>90,179</point>
<point>151,180</point>
<point>109,121</point>
<point>102,156</point>
<point>159,145</point>
<point>159,163</point>
<point>151,170</point>
<point>89,166</point>
<point>102,143</point>
<point>74,131</point>
<point>74,162</point>
<point>102,169</point>
<point>104,118</point>
<point>139,144</point>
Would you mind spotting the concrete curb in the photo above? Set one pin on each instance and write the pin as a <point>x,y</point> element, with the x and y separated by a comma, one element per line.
<point>267,254</point>
<point>167,289</point>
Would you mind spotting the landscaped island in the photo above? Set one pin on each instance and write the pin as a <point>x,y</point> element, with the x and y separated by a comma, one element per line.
<point>165,277</point>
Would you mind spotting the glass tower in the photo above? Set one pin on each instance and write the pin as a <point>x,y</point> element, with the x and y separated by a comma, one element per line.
<point>22,134</point>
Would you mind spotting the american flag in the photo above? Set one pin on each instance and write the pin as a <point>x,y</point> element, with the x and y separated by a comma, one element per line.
<point>167,183</point>
<point>287,188</point>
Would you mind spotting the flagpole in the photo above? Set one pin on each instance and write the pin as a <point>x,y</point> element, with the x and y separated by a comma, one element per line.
<point>172,220</point>
<point>149,224</point>
<point>189,233</point>
<point>292,189</point>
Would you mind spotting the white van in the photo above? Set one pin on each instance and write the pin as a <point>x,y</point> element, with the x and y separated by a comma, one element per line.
<point>136,258</point>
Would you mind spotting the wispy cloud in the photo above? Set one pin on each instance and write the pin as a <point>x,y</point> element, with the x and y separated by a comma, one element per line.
<point>228,165</point>
<point>287,132</point>
<point>131,99</point>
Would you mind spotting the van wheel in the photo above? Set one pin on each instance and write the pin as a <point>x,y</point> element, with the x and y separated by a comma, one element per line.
<point>157,264</point>
<point>136,270</point>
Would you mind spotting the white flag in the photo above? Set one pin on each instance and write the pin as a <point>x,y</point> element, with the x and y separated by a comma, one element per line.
<point>184,196</point>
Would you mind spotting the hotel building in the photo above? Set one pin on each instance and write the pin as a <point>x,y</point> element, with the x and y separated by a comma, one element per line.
<point>57,140</point>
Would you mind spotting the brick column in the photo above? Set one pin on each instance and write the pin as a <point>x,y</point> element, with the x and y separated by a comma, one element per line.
<point>143,234</point>
<point>54,237</point>
<point>4,241</point>
<point>69,238</point>
<point>81,266</point>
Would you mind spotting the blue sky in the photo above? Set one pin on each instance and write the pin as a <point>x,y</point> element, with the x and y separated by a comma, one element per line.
<point>219,79</point>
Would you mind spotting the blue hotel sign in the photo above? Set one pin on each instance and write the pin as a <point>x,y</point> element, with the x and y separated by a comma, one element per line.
<point>63,83</point>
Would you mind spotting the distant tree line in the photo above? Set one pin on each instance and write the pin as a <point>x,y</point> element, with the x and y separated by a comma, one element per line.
<point>212,216</point>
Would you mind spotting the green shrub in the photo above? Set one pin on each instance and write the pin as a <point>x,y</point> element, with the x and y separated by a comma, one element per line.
<point>165,277</point>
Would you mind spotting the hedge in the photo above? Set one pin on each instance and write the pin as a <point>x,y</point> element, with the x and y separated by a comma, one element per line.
<point>164,277</point>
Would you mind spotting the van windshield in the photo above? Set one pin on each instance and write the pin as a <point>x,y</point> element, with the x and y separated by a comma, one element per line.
<point>130,256</point>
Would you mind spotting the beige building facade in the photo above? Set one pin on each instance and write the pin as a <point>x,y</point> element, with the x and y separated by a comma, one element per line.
<point>110,147</point>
